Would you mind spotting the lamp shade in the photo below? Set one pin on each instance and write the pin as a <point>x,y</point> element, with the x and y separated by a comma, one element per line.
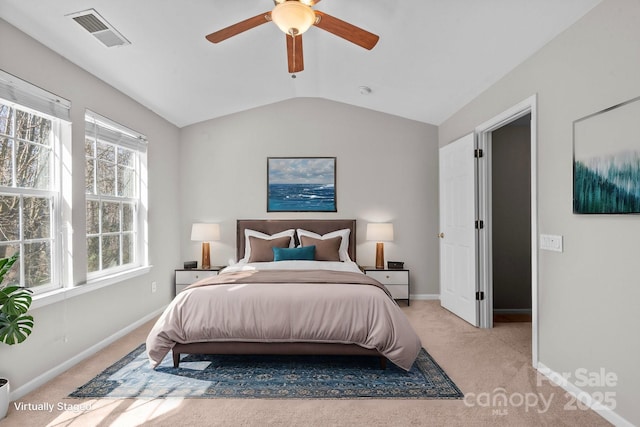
<point>293,17</point>
<point>380,232</point>
<point>205,232</point>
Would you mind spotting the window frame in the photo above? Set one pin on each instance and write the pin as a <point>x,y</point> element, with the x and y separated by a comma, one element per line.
<point>100,129</point>
<point>53,192</point>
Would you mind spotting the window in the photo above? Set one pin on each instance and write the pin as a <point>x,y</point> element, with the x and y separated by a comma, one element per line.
<point>30,184</point>
<point>116,213</point>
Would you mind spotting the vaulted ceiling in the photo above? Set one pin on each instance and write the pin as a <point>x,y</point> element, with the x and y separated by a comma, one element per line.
<point>433,57</point>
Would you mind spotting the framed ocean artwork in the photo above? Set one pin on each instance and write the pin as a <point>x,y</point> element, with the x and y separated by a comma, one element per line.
<point>606,161</point>
<point>301,184</point>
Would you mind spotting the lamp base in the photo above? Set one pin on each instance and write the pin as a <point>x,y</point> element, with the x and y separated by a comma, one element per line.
<point>206,258</point>
<point>380,255</point>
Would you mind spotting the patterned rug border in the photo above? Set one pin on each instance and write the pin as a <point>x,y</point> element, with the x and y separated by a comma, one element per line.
<point>445,388</point>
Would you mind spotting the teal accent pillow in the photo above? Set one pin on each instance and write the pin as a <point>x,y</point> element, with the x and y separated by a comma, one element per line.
<point>306,253</point>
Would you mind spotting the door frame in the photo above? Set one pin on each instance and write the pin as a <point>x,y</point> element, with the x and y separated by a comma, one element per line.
<point>485,279</point>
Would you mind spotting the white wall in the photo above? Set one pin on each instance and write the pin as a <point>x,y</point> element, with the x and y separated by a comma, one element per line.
<point>387,170</point>
<point>87,319</point>
<point>588,295</point>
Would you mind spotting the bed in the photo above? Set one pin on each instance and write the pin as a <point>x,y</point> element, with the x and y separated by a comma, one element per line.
<point>293,303</point>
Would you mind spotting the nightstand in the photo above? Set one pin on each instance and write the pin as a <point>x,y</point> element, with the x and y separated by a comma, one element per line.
<point>186,277</point>
<point>397,281</point>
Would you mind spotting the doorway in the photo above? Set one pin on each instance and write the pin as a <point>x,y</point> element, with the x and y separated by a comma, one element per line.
<point>490,255</point>
<point>511,221</point>
<point>467,220</point>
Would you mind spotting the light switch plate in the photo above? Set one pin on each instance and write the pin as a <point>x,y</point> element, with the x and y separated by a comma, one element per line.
<point>551,242</point>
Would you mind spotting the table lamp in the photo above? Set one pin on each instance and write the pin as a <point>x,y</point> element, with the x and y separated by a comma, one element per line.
<point>380,232</point>
<point>205,233</point>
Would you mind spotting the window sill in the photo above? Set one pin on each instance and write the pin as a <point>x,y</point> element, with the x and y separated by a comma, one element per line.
<point>62,294</point>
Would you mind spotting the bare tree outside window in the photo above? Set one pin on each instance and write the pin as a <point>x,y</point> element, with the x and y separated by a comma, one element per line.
<point>111,180</point>
<point>26,194</point>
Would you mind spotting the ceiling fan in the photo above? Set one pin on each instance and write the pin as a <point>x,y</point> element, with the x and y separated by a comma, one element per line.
<point>294,17</point>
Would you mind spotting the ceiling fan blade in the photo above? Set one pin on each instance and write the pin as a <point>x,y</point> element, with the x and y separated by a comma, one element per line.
<point>345,30</point>
<point>294,53</point>
<point>238,28</point>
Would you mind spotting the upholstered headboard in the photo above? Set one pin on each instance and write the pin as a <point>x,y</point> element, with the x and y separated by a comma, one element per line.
<point>272,226</point>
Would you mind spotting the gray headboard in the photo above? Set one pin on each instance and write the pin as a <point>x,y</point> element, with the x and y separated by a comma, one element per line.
<point>272,226</point>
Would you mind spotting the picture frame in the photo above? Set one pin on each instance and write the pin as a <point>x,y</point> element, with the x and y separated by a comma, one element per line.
<point>301,184</point>
<point>606,161</point>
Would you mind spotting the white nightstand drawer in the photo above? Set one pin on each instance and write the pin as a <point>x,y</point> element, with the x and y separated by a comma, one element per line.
<point>398,291</point>
<point>180,288</point>
<point>396,281</point>
<point>184,277</point>
<point>387,277</point>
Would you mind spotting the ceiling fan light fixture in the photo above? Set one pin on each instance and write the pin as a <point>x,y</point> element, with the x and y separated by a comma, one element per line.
<point>293,17</point>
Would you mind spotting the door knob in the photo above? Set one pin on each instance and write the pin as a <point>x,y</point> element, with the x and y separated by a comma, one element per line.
<point>441,235</point>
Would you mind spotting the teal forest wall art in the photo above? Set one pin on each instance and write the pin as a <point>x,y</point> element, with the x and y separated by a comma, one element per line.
<point>301,184</point>
<point>606,161</point>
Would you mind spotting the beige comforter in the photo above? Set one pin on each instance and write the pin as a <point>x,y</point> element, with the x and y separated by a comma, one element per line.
<point>287,306</point>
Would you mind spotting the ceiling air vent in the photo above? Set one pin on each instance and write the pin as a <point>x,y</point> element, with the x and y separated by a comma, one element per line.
<point>91,21</point>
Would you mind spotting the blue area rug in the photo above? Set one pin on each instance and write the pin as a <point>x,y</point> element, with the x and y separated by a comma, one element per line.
<point>270,377</point>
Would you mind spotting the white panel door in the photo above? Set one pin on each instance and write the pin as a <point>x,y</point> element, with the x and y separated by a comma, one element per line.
<point>458,250</point>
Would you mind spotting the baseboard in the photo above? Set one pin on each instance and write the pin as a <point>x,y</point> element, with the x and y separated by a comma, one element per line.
<point>584,397</point>
<point>49,375</point>
<point>425,296</point>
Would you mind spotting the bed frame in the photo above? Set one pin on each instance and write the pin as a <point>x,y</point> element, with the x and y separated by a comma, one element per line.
<point>271,226</point>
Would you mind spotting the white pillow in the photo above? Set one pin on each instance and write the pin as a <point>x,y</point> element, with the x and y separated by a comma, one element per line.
<point>252,233</point>
<point>343,250</point>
